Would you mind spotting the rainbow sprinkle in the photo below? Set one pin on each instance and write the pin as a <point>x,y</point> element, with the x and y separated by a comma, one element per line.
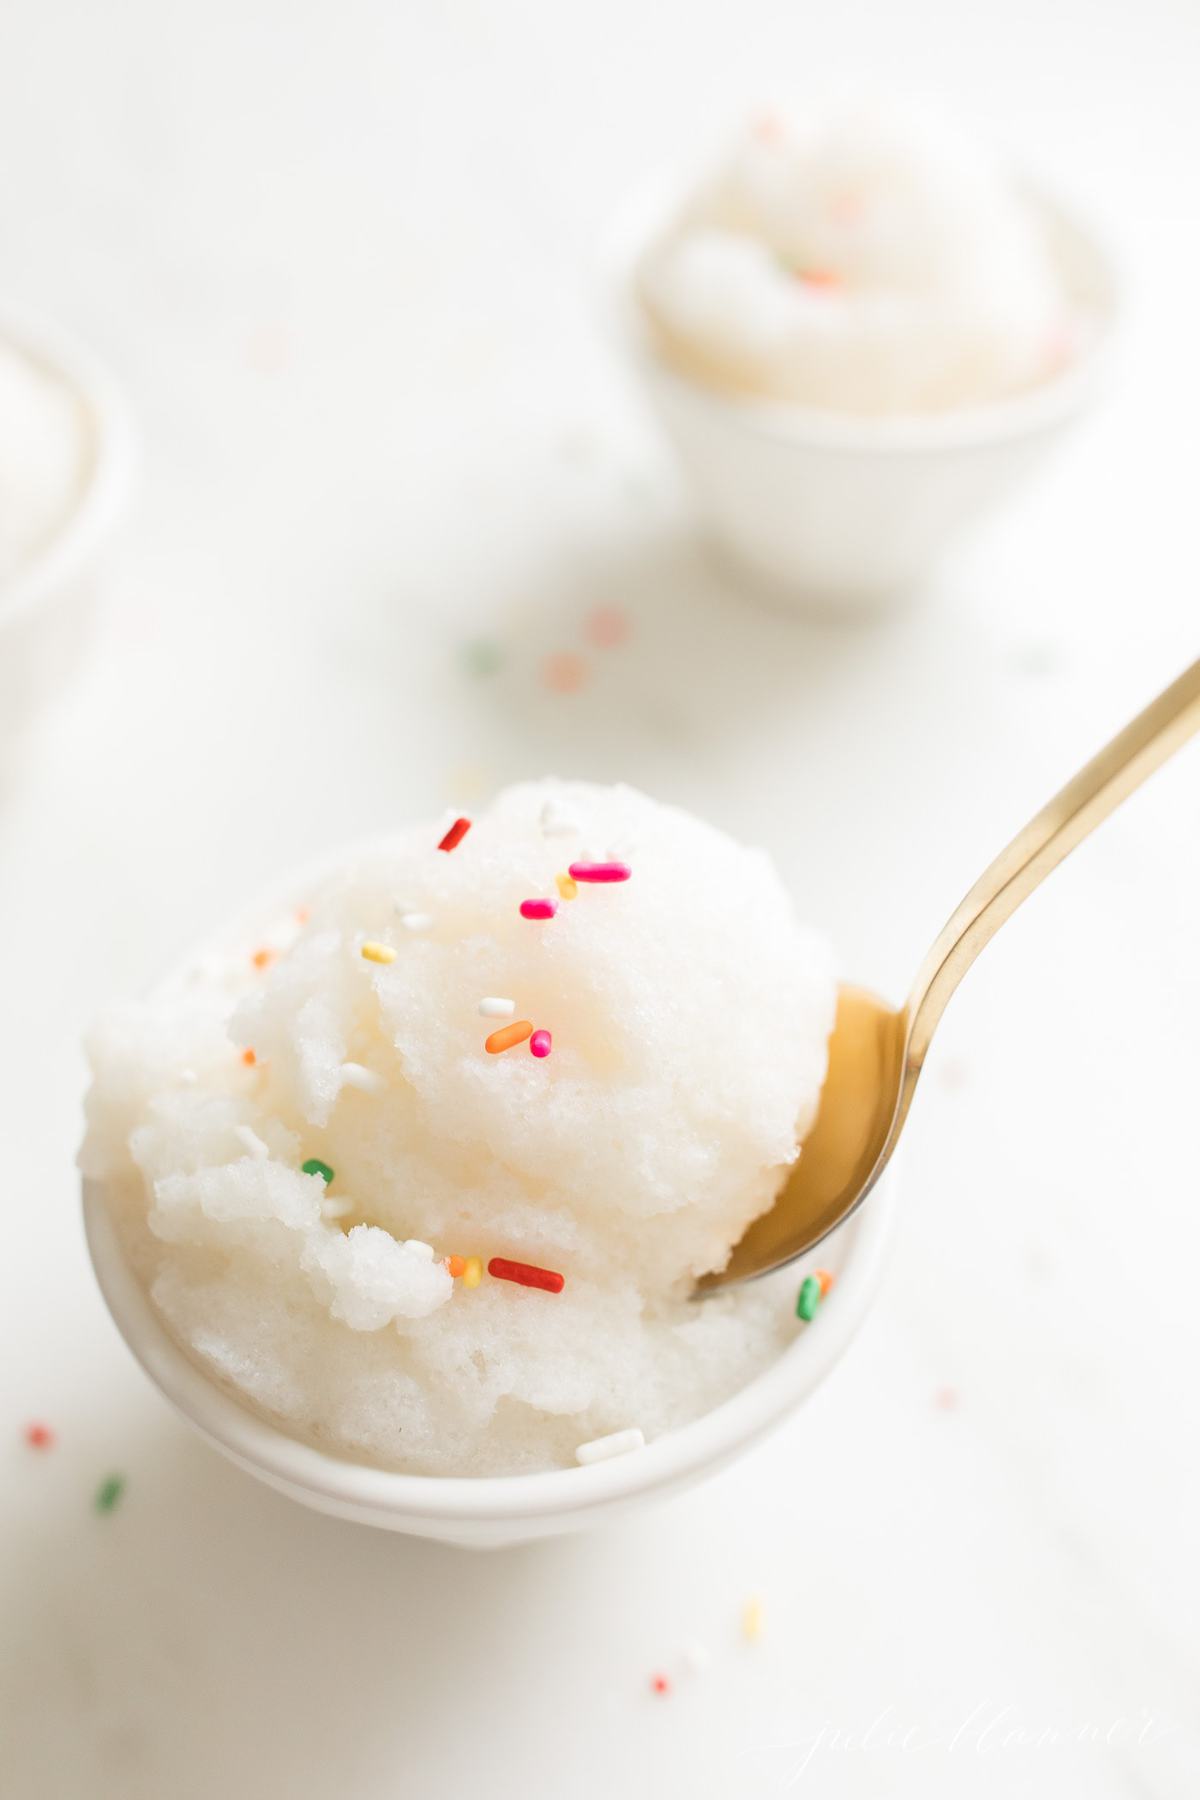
<point>378,953</point>
<point>508,1036</point>
<point>538,909</point>
<point>540,1044</point>
<point>526,1274</point>
<point>567,887</point>
<point>39,1436</point>
<point>108,1494</point>
<point>600,871</point>
<point>314,1166</point>
<point>455,835</point>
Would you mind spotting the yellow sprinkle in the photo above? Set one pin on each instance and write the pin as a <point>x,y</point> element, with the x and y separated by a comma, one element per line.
<point>382,953</point>
<point>473,1273</point>
<point>567,886</point>
<point>752,1620</point>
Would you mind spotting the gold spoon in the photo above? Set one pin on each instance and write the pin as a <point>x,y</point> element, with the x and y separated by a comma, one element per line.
<point>877,1051</point>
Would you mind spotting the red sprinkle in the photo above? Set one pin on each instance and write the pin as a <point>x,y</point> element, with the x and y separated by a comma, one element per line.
<point>540,1043</point>
<point>602,871</point>
<point>660,1684</point>
<point>455,835</point>
<point>39,1437</point>
<point>538,909</point>
<point>525,1274</point>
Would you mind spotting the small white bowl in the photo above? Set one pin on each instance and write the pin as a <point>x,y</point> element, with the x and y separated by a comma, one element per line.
<point>488,1512</point>
<point>832,511</point>
<point>46,606</point>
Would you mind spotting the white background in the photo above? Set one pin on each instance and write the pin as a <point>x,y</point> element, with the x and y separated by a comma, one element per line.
<point>343,257</point>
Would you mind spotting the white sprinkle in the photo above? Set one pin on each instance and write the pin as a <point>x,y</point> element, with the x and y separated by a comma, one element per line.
<point>188,1075</point>
<point>556,821</point>
<point>355,1076</point>
<point>496,1008</point>
<point>416,921</point>
<point>252,1142</point>
<point>419,1248</point>
<point>336,1209</point>
<point>615,1444</point>
<point>695,1656</point>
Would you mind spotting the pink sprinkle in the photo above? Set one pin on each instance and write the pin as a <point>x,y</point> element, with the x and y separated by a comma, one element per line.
<point>603,871</point>
<point>538,909</point>
<point>660,1684</point>
<point>39,1436</point>
<point>540,1043</point>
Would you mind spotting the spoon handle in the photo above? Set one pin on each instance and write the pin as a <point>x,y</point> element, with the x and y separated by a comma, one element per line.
<point>1063,822</point>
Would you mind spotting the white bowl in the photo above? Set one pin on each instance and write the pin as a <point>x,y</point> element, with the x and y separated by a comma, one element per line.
<point>491,1511</point>
<point>45,608</point>
<point>832,511</point>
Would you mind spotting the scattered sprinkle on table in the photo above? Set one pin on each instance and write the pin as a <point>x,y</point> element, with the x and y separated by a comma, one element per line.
<point>526,1274</point>
<point>660,1684</point>
<point>606,627</point>
<point>482,656</point>
<point>615,1444</point>
<point>567,889</point>
<point>455,835</point>
<point>495,1006</point>
<point>314,1166</point>
<point>824,1281</point>
<point>378,953</point>
<point>564,672</point>
<point>752,1620</point>
<point>508,1036</point>
<point>540,1044</point>
<point>600,871</point>
<point>538,909</point>
<point>367,1081</point>
<point>39,1436</point>
<point>809,1298</point>
<point>108,1494</point>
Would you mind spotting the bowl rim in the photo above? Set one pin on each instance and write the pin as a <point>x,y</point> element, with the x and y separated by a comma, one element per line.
<point>108,478</point>
<point>648,210</point>
<point>337,1483</point>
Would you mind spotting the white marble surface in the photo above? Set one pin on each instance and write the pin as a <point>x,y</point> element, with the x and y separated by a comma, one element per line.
<point>342,257</point>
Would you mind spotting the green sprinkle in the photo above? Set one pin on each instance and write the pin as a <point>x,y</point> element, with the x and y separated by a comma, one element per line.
<point>314,1166</point>
<point>482,657</point>
<point>810,1298</point>
<point>108,1493</point>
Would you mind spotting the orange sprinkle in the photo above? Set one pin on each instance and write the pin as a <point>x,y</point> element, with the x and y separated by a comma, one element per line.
<point>820,278</point>
<point>457,1265</point>
<point>261,958</point>
<point>564,672</point>
<point>302,915</point>
<point>508,1035</point>
<point>567,886</point>
<point>249,1058</point>
<point>824,1281</point>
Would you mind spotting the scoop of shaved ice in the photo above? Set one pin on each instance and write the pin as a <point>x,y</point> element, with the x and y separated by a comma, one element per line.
<point>689,1013</point>
<point>866,258</point>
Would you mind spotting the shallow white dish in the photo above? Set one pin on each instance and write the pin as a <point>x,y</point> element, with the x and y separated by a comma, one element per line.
<point>833,511</point>
<point>488,1512</point>
<point>46,606</point>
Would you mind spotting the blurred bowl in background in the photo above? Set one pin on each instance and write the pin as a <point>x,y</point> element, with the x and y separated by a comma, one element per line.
<point>836,512</point>
<point>47,595</point>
